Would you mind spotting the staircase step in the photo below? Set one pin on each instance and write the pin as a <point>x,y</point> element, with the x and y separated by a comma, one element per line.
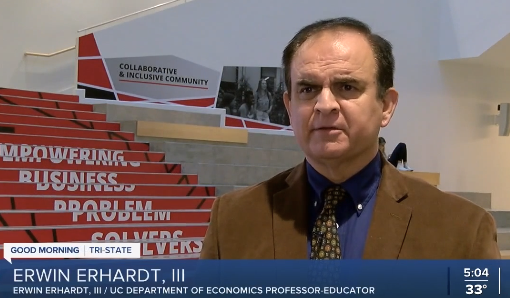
<point>36,153</point>
<point>75,203</point>
<point>59,122</point>
<point>66,132</point>
<point>226,154</point>
<point>50,104</point>
<point>40,95</point>
<point>273,141</point>
<point>223,189</point>
<point>120,217</point>
<point>54,113</point>
<point>172,237</point>
<point>121,113</point>
<point>502,218</point>
<point>504,238</point>
<point>77,143</point>
<point>481,199</point>
<point>91,165</point>
<point>99,189</point>
<point>37,176</point>
<point>224,174</point>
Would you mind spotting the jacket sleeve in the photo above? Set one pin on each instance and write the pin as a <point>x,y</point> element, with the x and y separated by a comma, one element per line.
<point>210,246</point>
<point>485,245</point>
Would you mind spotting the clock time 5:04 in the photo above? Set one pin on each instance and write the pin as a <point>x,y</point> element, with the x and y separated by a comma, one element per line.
<point>476,273</point>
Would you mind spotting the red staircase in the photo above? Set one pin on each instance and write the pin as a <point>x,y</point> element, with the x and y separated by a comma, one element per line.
<point>67,175</point>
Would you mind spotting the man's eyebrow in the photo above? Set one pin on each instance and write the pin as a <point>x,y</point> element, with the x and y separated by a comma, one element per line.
<point>305,82</point>
<point>339,79</point>
<point>347,79</point>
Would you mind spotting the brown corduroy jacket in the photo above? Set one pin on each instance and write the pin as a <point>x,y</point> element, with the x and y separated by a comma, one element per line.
<point>411,220</point>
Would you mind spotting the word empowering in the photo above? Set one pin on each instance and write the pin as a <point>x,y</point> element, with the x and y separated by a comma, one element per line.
<point>153,73</point>
<point>29,153</point>
<point>104,206</point>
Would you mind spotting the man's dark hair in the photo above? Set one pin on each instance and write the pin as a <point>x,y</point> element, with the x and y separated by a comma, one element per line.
<point>382,49</point>
<point>382,141</point>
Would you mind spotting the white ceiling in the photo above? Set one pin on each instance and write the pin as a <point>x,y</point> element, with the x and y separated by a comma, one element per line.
<point>496,56</point>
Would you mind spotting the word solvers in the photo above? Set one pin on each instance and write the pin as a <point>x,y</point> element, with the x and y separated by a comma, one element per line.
<point>73,180</point>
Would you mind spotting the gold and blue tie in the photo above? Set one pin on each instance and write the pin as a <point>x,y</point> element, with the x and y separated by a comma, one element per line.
<point>325,240</point>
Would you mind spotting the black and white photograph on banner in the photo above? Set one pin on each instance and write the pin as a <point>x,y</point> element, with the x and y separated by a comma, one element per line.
<point>254,93</point>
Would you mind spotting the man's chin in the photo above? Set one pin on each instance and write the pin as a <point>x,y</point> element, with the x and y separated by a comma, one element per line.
<point>328,151</point>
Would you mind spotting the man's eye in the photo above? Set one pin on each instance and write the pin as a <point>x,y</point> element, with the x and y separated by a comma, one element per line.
<point>348,87</point>
<point>306,90</point>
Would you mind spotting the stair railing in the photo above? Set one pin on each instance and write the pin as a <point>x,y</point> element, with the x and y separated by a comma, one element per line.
<point>102,24</point>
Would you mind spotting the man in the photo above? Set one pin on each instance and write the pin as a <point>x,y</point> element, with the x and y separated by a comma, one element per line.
<point>345,201</point>
<point>398,158</point>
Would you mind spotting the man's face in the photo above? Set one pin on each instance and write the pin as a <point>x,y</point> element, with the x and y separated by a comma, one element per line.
<point>333,107</point>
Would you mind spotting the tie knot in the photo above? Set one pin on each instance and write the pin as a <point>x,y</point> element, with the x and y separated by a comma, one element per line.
<point>332,196</point>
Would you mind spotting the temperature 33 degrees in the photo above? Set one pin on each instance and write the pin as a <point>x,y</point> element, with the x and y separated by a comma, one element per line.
<point>475,289</point>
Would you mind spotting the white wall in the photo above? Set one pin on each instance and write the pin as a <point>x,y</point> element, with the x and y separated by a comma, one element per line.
<point>470,27</point>
<point>47,26</point>
<point>474,157</point>
<point>442,108</point>
<point>443,111</point>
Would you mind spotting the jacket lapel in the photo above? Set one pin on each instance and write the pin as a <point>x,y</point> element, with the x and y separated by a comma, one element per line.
<point>390,218</point>
<point>290,217</point>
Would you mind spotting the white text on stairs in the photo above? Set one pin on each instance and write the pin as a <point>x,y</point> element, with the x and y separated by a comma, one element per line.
<point>29,153</point>
<point>74,180</point>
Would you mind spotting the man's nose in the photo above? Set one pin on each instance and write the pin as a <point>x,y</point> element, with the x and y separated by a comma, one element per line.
<point>326,102</point>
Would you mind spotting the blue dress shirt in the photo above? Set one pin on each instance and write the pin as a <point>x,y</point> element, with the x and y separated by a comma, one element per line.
<point>354,213</point>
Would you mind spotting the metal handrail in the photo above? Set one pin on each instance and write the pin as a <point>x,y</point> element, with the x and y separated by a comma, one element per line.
<point>128,15</point>
<point>99,25</point>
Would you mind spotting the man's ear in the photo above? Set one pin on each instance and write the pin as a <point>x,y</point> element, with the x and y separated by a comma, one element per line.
<point>286,102</point>
<point>389,102</point>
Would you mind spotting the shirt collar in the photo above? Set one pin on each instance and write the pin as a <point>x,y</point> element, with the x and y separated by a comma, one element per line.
<point>360,187</point>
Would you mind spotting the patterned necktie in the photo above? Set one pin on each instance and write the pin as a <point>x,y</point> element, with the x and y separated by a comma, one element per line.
<point>325,240</point>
